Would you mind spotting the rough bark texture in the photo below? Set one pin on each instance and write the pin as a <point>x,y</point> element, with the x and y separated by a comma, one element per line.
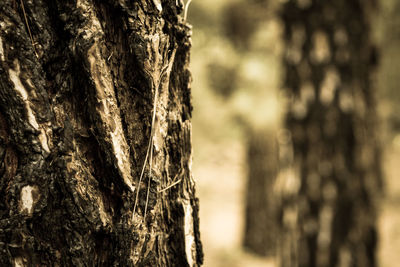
<point>331,177</point>
<point>260,233</point>
<point>90,92</point>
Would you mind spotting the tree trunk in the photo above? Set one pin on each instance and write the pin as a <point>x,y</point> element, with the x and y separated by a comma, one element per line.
<point>95,135</point>
<point>389,78</point>
<point>260,218</point>
<point>331,179</point>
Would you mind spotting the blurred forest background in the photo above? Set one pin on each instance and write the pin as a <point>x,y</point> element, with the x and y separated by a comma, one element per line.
<point>236,64</point>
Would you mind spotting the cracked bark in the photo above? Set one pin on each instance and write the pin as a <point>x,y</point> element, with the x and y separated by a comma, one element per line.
<point>330,174</point>
<point>76,108</point>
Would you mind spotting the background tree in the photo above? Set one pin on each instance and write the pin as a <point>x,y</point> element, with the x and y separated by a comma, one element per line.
<point>390,39</point>
<point>261,226</point>
<point>331,178</point>
<point>95,135</point>
<point>388,81</point>
<point>243,23</point>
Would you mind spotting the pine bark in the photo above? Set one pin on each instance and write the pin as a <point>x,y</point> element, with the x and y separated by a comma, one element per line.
<point>330,158</point>
<point>92,94</point>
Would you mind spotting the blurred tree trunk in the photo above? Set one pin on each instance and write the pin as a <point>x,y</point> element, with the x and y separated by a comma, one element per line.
<point>79,81</point>
<point>389,77</point>
<point>260,213</point>
<point>331,179</point>
<point>242,20</point>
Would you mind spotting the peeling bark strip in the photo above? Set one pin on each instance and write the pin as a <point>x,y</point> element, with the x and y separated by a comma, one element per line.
<point>330,173</point>
<point>94,131</point>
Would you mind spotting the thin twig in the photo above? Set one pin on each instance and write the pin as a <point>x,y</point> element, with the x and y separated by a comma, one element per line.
<point>168,187</point>
<point>29,29</point>
<point>143,168</point>
<point>167,69</point>
<point>108,59</point>
<point>149,152</point>
<point>151,148</point>
<point>186,9</point>
<point>148,182</point>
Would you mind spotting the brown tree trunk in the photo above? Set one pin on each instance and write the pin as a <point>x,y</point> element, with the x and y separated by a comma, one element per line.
<point>331,180</point>
<point>389,78</point>
<point>95,135</point>
<point>260,233</point>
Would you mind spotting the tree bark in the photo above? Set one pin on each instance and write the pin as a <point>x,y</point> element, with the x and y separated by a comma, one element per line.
<point>331,177</point>
<point>261,223</point>
<point>95,135</point>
